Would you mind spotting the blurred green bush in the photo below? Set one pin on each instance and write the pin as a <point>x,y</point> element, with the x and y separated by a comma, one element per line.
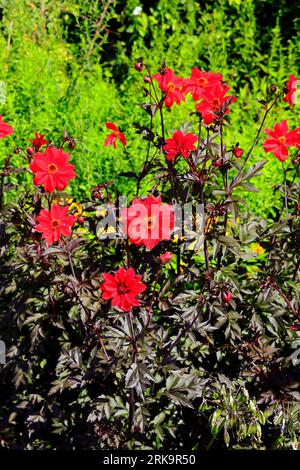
<point>70,65</point>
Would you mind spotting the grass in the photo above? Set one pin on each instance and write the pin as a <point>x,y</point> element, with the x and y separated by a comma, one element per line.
<point>66,65</point>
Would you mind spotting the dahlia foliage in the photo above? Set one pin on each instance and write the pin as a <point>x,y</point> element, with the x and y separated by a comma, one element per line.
<point>169,320</point>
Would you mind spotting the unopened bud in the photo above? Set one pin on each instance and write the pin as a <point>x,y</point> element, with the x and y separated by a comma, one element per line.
<point>71,144</point>
<point>295,326</point>
<point>166,257</point>
<point>30,151</point>
<point>237,152</point>
<point>138,66</point>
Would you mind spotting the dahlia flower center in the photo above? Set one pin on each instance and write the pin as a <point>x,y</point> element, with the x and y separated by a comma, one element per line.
<point>216,103</point>
<point>122,289</point>
<point>55,224</point>
<point>282,140</point>
<point>116,133</point>
<point>202,81</point>
<point>181,150</point>
<point>52,168</point>
<point>150,221</point>
<point>171,87</point>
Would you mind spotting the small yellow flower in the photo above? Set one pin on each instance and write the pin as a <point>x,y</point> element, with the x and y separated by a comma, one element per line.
<point>182,267</point>
<point>80,231</point>
<point>68,200</point>
<point>63,200</point>
<point>257,248</point>
<point>210,222</point>
<point>78,209</point>
<point>232,222</point>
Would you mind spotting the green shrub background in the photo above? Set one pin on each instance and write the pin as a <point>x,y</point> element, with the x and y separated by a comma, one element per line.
<point>71,65</point>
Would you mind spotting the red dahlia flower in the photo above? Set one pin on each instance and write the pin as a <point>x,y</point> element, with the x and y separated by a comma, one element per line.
<point>122,288</point>
<point>166,257</point>
<point>200,82</point>
<point>171,85</point>
<point>215,101</point>
<point>180,144</point>
<point>227,296</point>
<point>5,129</point>
<point>111,139</point>
<point>38,141</point>
<point>280,139</point>
<point>52,169</point>
<point>148,221</point>
<point>237,151</point>
<point>291,86</point>
<point>54,223</point>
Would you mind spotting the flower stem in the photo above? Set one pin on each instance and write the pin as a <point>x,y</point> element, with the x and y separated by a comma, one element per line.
<point>267,110</point>
<point>285,190</point>
<point>71,263</point>
<point>293,311</point>
<point>131,398</point>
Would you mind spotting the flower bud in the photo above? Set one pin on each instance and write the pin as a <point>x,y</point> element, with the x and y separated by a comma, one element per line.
<point>147,79</point>
<point>227,296</point>
<point>295,326</point>
<point>166,257</point>
<point>96,194</point>
<point>30,151</point>
<point>138,66</point>
<point>71,144</point>
<point>217,163</point>
<point>273,89</point>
